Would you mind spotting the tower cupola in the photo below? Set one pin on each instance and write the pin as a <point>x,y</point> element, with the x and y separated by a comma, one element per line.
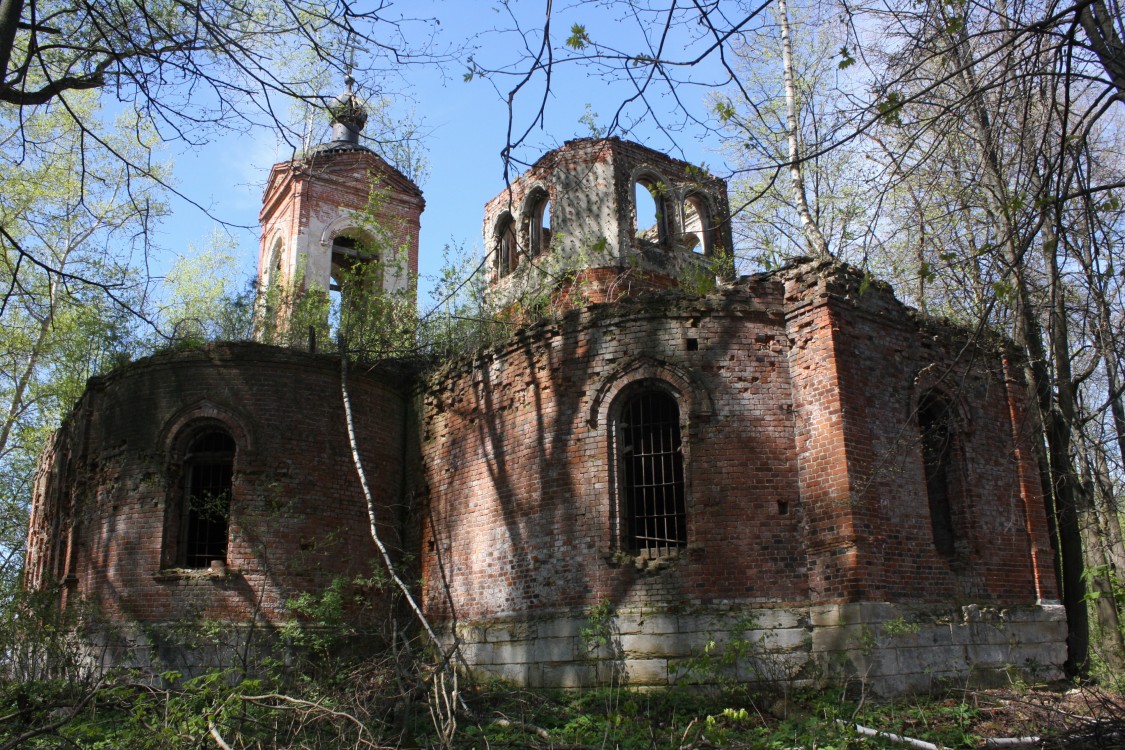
<point>348,113</point>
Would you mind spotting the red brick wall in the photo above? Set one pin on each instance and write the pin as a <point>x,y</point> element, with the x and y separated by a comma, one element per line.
<point>515,455</point>
<point>804,474</point>
<point>866,362</point>
<point>298,518</point>
<point>327,181</point>
<point>804,479</point>
<point>835,572</point>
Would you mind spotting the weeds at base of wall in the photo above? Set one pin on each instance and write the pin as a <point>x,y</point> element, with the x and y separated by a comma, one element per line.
<point>357,702</point>
<point>679,718</point>
<point>55,690</point>
<point>602,640</point>
<point>1059,717</point>
<point>248,716</point>
<point>361,706</point>
<point>741,659</point>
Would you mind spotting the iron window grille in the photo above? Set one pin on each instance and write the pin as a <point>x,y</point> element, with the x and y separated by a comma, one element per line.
<point>209,465</point>
<point>652,473</point>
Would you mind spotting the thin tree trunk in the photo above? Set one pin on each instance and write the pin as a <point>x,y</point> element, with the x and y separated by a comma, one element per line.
<point>817,244</point>
<point>1072,497</point>
<point>1110,562</point>
<point>20,391</point>
<point>1095,537</point>
<point>1109,513</point>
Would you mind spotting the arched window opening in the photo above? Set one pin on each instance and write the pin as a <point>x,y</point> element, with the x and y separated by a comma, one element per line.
<point>539,224</point>
<point>269,293</point>
<point>649,198</point>
<point>697,226</point>
<point>505,253</point>
<point>937,426</point>
<point>271,274</point>
<point>354,276</point>
<point>208,473</point>
<point>650,456</point>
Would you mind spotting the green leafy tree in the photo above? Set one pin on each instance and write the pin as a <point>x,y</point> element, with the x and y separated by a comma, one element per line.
<point>768,134</point>
<point>459,319</point>
<point>71,316</point>
<point>205,296</point>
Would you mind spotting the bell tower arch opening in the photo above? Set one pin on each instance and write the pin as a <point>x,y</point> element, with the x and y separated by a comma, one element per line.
<point>355,278</point>
<point>341,221</point>
<point>650,202</point>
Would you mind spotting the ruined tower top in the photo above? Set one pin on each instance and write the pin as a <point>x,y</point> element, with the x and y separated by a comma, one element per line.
<point>606,216</point>
<point>348,116</point>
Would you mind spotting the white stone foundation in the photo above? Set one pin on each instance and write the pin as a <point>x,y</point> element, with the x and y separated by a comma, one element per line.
<point>890,648</point>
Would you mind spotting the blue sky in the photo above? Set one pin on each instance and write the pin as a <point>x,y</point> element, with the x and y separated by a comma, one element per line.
<point>465,126</point>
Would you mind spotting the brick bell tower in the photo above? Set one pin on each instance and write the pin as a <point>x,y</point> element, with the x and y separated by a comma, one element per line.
<point>338,206</point>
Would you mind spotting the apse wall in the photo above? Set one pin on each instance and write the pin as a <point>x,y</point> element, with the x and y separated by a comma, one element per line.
<point>808,518</point>
<point>108,518</point>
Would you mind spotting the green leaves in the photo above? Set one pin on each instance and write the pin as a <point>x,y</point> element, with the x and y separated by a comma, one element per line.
<point>1113,203</point>
<point>725,110</point>
<point>589,118</point>
<point>578,38</point>
<point>1003,289</point>
<point>471,69</point>
<point>846,59</point>
<point>926,272</point>
<point>206,301</point>
<point>890,108</point>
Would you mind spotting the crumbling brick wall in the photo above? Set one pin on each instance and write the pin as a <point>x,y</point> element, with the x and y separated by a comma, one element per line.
<point>802,450</point>
<point>862,361</point>
<point>298,518</point>
<point>515,447</point>
<point>590,184</point>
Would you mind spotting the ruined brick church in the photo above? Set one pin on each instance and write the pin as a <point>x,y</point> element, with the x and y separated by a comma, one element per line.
<point>794,458</point>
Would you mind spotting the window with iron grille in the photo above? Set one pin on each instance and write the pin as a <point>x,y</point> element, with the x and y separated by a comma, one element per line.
<point>208,470</point>
<point>652,473</point>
